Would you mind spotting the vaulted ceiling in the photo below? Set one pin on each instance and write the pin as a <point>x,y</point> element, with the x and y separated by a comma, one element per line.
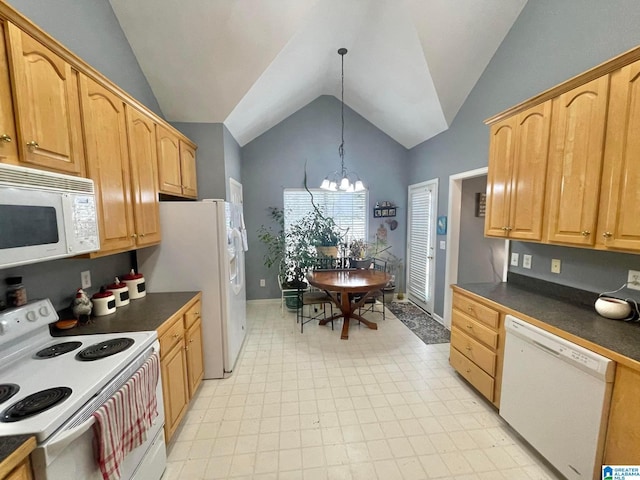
<point>251,63</point>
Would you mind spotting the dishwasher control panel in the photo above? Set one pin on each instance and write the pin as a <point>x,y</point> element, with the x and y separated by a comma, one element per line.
<point>579,357</point>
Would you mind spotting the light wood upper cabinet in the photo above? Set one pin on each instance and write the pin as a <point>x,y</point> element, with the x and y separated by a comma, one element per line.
<point>501,150</point>
<point>169,177</point>
<point>47,105</point>
<point>619,220</point>
<point>188,170</point>
<point>144,179</point>
<point>108,164</point>
<point>575,162</point>
<point>8,140</point>
<point>517,174</point>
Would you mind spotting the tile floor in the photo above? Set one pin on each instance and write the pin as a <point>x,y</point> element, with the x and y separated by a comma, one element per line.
<point>381,405</point>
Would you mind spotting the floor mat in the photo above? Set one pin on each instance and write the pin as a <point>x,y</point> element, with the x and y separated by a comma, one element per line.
<point>419,322</point>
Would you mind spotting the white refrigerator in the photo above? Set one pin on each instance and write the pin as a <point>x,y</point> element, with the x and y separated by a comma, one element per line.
<point>202,248</point>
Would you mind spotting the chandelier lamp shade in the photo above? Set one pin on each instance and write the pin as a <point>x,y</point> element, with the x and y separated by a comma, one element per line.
<point>342,179</point>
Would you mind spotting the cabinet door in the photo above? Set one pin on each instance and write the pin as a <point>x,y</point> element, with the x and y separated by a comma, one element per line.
<point>623,432</point>
<point>620,206</point>
<point>501,152</point>
<point>21,472</point>
<point>529,173</point>
<point>8,140</point>
<point>144,181</point>
<point>575,162</point>
<point>47,105</point>
<point>169,177</point>
<point>188,170</point>
<point>108,166</point>
<point>195,361</point>
<point>174,388</point>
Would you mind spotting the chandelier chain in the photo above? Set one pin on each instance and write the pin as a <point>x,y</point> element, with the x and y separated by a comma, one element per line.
<point>341,147</point>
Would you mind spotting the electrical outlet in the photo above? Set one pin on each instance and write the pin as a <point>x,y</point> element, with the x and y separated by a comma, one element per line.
<point>555,265</point>
<point>633,280</point>
<point>85,279</point>
<point>263,282</point>
<point>526,261</point>
<point>515,258</point>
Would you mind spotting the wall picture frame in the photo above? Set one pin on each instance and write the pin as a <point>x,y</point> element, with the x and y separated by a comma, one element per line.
<point>441,225</point>
<point>481,204</point>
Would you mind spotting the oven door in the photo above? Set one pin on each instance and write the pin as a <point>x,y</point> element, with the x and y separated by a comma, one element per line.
<point>69,453</point>
<point>31,226</point>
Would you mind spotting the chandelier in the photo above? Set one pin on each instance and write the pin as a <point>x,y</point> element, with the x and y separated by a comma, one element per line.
<point>342,179</point>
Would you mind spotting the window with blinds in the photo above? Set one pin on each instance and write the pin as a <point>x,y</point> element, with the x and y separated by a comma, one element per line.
<point>348,209</point>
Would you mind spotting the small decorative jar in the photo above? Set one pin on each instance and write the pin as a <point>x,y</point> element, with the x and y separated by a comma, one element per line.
<point>120,291</point>
<point>16,293</point>
<point>135,282</point>
<point>104,303</point>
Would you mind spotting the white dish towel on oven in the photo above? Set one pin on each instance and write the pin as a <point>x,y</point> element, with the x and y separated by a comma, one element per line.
<point>122,422</point>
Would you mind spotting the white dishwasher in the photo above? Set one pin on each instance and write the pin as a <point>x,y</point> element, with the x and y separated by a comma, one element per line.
<point>556,395</point>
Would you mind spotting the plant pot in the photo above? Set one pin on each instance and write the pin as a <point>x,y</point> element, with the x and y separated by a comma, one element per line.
<point>327,251</point>
<point>362,263</point>
<point>292,303</point>
<point>388,292</point>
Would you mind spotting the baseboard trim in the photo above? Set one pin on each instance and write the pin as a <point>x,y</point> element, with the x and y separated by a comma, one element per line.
<point>440,320</point>
<point>263,301</point>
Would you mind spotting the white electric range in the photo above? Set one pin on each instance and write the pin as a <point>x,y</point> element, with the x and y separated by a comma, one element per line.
<point>51,386</point>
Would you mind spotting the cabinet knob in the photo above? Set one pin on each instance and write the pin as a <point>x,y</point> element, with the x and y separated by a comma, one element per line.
<point>142,234</point>
<point>33,144</point>
<point>186,349</point>
<point>191,341</point>
<point>133,235</point>
<point>176,335</point>
<point>607,234</point>
<point>468,349</point>
<point>508,229</point>
<point>470,308</point>
<point>5,138</point>
<point>468,370</point>
<point>196,313</point>
<point>469,326</point>
<point>585,233</point>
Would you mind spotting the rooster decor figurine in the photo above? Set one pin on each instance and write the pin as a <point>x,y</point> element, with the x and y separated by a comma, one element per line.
<point>82,306</point>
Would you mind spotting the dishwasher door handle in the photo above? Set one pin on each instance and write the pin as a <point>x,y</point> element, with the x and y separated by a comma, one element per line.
<point>550,351</point>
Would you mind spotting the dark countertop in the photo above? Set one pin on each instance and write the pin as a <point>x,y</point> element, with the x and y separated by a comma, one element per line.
<point>570,315</point>
<point>142,314</point>
<point>10,444</point>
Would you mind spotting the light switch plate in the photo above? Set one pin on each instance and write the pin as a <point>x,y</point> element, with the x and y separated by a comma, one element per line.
<point>263,282</point>
<point>443,244</point>
<point>526,261</point>
<point>515,259</point>
<point>85,279</point>
<point>555,265</point>
<point>633,280</point>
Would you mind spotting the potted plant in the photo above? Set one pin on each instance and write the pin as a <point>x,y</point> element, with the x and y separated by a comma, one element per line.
<point>358,257</point>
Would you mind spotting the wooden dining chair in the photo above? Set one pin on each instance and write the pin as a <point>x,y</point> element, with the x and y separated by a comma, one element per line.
<point>377,298</point>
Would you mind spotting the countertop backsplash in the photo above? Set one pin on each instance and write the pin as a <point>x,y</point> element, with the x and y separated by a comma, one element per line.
<point>58,280</point>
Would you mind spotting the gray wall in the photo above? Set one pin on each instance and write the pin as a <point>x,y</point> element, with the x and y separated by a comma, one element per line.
<point>91,30</point>
<point>481,259</point>
<point>550,42</point>
<point>276,160</point>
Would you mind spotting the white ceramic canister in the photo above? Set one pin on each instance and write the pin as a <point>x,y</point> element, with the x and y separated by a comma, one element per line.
<point>135,282</point>
<point>121,292</point>
<point>104,303</point>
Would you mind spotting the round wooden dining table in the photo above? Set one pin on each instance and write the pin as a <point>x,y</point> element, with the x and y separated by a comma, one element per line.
<point>339,284</point>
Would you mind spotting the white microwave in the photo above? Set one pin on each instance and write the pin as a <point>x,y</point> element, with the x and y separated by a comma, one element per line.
<point>45,215</point>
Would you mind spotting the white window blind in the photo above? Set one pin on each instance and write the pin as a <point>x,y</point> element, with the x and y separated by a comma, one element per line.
<point>419,233</point>
<point>348,209</point>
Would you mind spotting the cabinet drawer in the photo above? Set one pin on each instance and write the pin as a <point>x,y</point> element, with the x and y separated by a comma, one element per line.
<point>472,373</point>
<point>192,314</point>
<point>476,310</point>
<point>171,337</point>
<point>474,351</point>
<point>475,329</point>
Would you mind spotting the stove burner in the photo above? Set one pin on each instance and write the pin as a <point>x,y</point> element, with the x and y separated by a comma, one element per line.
<point>58,349</point>
<point>34,404</point>
<point>8,390</point>
<point>104,349</point>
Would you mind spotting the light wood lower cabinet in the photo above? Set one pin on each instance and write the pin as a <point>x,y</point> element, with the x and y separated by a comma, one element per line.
<point>21,472</point>
<point>181,362</point>
<point>622,445</point>
<point>477,345</point>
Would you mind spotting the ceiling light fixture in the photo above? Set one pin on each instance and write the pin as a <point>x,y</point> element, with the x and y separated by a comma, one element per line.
<point>342,179</point>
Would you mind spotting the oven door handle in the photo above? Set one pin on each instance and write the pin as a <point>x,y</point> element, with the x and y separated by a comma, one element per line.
<point>58,443</point>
